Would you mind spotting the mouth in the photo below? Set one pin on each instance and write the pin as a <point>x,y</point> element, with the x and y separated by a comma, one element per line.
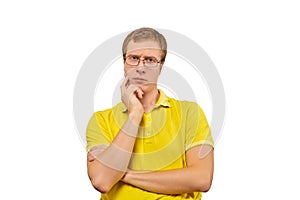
<point>139,79</point>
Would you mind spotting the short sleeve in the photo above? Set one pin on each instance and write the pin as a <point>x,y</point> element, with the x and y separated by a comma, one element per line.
<point>197,128</point>
<point>96,132</point>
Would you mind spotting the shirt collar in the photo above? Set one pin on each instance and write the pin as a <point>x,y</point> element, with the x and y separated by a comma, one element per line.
<point>163,101</point>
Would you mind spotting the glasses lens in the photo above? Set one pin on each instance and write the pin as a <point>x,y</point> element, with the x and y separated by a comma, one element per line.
<point>132,60</point>
<point>150,62</point>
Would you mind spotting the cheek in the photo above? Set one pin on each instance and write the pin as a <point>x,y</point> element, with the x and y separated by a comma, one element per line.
<point>128,71</point>
<point>153,75</point>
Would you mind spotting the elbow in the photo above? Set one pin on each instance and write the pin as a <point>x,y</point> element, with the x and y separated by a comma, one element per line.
<point>203,184</point>
<point>101,185</point>
<point>206,187</point>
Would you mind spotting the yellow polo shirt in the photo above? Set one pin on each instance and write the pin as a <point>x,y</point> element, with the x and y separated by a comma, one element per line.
<point>170,129</point>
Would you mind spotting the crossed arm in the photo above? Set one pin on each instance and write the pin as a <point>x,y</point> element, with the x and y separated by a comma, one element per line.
<point>197,176</point>
<point>107,165</point>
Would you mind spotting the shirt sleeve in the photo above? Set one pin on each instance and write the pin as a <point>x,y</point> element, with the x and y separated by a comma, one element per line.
<point>96,132</point>
<point>197,128</point>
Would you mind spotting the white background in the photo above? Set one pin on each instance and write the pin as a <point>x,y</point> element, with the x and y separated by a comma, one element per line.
<point>255,46</point>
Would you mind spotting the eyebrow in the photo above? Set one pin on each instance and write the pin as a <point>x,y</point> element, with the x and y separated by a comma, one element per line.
<point>133,55</point>
<point>140,56</point>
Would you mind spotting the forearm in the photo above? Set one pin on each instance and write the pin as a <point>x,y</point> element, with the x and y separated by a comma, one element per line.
<point>111,164</point>
<point>176,181</point>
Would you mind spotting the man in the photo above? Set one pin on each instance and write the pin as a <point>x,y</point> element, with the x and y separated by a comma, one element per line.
<point>149,146</point>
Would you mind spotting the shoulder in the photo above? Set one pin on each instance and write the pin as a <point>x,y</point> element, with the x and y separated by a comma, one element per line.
<point>184,104</point>
<point>109,111</point>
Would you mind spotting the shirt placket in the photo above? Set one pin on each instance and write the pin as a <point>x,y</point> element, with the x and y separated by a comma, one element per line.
<point>147,131</point>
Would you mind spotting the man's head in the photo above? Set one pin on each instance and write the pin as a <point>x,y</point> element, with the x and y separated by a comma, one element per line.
<point>144,53</point>
<point>146,34</point>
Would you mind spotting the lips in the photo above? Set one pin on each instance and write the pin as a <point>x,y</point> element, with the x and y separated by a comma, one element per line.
<point>139,79</point>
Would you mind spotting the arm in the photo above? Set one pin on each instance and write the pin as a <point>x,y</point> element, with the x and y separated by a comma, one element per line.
<point>107,165</point>
<point>197,176</point>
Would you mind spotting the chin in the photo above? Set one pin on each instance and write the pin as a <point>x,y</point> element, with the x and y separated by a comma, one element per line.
<point>148,87</point>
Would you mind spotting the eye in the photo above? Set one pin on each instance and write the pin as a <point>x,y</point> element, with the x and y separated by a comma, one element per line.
<point>133,58</point>
<point>151,60</point>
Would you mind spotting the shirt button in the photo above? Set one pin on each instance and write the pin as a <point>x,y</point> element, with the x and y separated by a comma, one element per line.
<point>147,134</point>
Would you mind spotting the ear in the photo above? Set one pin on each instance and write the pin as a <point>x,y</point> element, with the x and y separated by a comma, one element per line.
<point>124,70</point>
<point>160,67</point>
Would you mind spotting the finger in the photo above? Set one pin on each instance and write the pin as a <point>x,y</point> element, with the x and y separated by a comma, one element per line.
<point>125,83</point>
<point>90,157</point>
<point>100,147</point>
<point>96,151</point>
<point>128,94</point>
<point>93,148</point>
<point>132,89</point>
<point>139,93</point>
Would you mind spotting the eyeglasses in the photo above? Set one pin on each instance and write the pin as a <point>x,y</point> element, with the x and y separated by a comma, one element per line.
<point>150,62</point>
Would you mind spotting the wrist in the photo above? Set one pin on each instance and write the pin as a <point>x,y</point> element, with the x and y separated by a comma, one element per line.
<point>131,126</point>
<point>135,117</point>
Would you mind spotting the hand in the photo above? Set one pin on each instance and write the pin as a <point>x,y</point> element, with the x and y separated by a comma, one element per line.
<point>95,151</point>
<point>131,95</point>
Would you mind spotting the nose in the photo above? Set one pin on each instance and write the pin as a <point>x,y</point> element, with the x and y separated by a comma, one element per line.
<point>140,68</point>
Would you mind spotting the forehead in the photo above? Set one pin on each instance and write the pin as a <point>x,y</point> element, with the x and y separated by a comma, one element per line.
<point>143,47</point>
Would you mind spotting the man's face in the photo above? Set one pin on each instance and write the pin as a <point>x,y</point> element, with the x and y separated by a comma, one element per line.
<point>142,75</point>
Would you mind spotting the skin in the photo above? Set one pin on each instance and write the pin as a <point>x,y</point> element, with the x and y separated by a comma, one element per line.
<point>144,78</point>
<point>139,93</point>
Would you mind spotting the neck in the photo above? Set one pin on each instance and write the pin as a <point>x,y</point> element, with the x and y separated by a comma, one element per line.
<point>149,99</point>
